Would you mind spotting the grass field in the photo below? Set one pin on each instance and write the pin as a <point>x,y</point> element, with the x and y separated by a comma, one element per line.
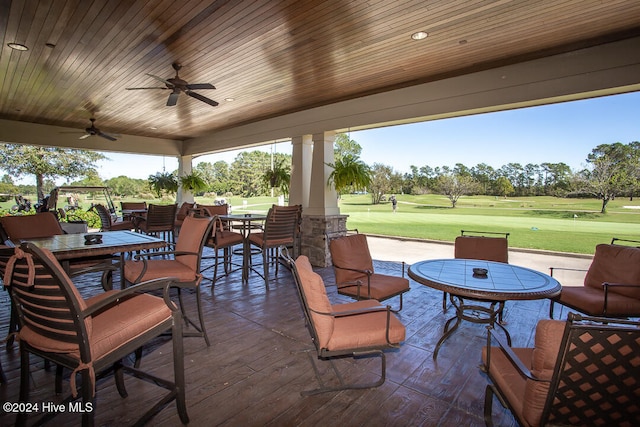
<point>567,225</point>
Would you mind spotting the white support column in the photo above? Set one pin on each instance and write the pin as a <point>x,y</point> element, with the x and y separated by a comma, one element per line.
<point>301,160</point>
<point>184,168</point>
<point>323,200</point>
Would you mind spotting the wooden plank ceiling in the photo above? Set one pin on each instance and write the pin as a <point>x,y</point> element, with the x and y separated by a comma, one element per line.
<point>265,58</point>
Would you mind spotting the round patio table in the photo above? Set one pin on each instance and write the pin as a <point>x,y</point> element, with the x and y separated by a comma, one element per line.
<point>501,283</point>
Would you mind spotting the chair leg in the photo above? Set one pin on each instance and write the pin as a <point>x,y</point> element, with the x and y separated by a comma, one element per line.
<point>203,329</point>
<point>88,417</point>
<point>551,303</point>
<point>444,301</point>
<point>118,374</point>
<point>21,419</point>
<point>265,266</point>
<point>488,406</point>
<point>178,371</point>
<point>58,380</point>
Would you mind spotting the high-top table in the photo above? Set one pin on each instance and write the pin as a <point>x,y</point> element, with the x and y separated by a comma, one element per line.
<point>243,222</point>
<point>502,282</point>
<point>66,247</point>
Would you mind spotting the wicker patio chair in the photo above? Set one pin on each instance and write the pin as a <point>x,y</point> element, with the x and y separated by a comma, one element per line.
<point>356,329</point>
<point>581,372</point>
<point>106,220</point>
<point>281,228</point>
<point>90,336</point>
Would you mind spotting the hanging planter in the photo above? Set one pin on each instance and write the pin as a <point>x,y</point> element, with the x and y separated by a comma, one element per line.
<point>278,177</point>
<point>193,182</point>
<point>163,183</point>
<point>349,174</point>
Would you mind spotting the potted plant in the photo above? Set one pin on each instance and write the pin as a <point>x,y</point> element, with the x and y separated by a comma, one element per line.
<point>349,173</point>
<point>278,177</point>
<point>163,183</point>
<point>193,182</point>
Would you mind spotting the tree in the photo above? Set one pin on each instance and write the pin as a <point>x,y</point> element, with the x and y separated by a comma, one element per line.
<point>613,171</point>
<point>503,186</point>
<point>380,182</point>
<point>47,162</point>
<point>349,173</point>
<point>343,146</point>
<point>455,186</point>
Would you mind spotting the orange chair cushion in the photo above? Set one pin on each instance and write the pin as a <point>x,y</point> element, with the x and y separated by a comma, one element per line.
<point>382,287</point>
<point>545,353</point>
<point>316,295</point>
<point>225,238</point>
<point>527,397</point>
<point>23,227</point>
<point>615,264</point>
<point>481,247</point>
<point>364,330</point>
<point>350,252</point>
<point>157,268</point>
<point>190,240</point>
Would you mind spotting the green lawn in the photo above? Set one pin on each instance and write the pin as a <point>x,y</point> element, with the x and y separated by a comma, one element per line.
<point>568,225</point>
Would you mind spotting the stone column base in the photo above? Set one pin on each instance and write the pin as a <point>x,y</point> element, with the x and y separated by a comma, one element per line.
<point>313,242</point>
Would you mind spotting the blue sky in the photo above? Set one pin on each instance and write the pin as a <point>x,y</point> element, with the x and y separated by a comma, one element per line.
<point>564,132</point>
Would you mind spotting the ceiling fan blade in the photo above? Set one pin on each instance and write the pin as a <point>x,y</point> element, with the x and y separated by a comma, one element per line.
<point>167,82</point>
<point>202,98</point>
<point>173,99</point>
<point>197,86</point>
<point>109,137</point>
<point>143,88</point>
<point>85,136</point>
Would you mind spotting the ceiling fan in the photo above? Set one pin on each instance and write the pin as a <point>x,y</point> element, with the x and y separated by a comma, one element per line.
<point>94,131</point>
<point>177,85</point>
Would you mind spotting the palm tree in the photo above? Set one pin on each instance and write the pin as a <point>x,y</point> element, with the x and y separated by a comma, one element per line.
<point>349,173</point>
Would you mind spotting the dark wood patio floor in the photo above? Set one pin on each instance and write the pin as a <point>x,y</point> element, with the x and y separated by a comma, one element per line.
<point>256,367</point>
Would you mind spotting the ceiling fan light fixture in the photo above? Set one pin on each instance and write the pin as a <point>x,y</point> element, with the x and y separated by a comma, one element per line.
<point>17,46</point>
<point>419,35</point>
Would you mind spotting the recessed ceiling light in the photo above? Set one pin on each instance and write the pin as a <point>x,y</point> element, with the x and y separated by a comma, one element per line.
<point>419,35</point>
<point>229,99</point>
<point>17,46</point>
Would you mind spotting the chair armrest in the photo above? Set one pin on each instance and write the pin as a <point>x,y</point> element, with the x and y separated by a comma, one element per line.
<point>367,272</point>
<point>163,283</point>
<point>551,269</point>
<point>152,254</point>
<point>357,283</point>
<point>613,286</point>
<point>360,312</point>
<point>513,358</point>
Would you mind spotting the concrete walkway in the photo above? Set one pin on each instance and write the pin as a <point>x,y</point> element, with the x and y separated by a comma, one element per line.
<point>411,251</point>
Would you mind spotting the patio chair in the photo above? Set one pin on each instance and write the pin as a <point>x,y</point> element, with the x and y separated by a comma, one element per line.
<point>221,238</point>
<point>181,214</point>
<point>357,329</point>
<point>183,264</point>
<point>281,228</point>
<point>611,286</point>
<point>45,224</point>
<point>141,207</point>
<point>480,246</point>
<point>90,336</point>
<point>159,221</point>
<point>355,275</point>
<point>106,220</point>
<point>581,372</point>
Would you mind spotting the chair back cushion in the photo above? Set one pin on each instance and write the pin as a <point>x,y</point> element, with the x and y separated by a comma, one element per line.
<point>350,252</point>
<point>48,302</point>
<point>192,237</point>
<point>19,227</point>
<point>184,210</point>
<point>483,248</point>
<point>213,210</point>
<point>548,338</point>
<point>615,264</point>
<point>315,294</point>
